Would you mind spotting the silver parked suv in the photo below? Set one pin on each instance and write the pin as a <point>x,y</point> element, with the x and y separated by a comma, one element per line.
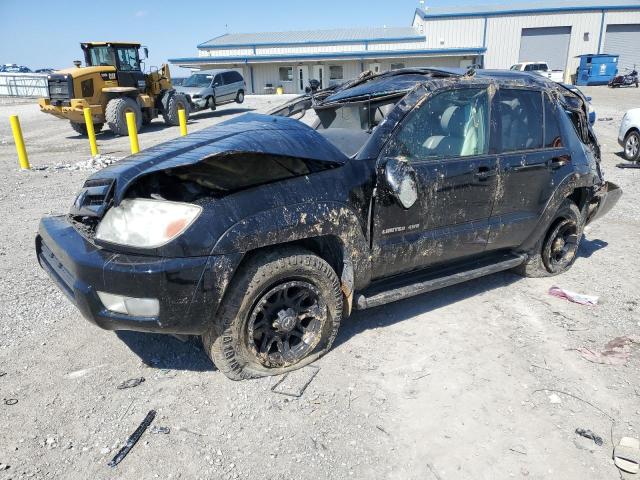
<point>210,88</point>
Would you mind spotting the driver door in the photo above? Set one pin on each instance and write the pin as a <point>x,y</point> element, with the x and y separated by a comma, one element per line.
<point>446,141</point>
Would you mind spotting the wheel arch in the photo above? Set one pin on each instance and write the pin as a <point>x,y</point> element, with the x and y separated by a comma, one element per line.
<point>329,230</point>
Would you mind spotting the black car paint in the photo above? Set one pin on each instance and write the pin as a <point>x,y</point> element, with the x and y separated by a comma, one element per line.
<point>344,210</point>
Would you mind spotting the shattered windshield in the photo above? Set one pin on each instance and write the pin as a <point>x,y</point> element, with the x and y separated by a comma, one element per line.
<point>198,80</point>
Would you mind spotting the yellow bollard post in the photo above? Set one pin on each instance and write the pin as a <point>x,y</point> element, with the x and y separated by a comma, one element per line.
<point>182,116</point>
<point>90,131</point>
<point>17,136</point>
<point>133,133</point>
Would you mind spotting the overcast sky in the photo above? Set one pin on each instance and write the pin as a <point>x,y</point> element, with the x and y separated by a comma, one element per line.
<point>37,34</point>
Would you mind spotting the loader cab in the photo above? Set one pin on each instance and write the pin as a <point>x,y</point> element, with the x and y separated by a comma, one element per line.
<point>125,57</point>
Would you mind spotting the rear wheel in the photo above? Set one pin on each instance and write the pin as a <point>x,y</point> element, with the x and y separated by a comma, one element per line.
<point>281,312</point>
<point>558,249</point>
<point>170,113</point>
<point>632,146</point>
<point>240,97</point>
<point>81,128</point>
<point>116,115</point>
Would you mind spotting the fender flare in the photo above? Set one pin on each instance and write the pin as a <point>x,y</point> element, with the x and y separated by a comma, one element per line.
<point>303,221</point>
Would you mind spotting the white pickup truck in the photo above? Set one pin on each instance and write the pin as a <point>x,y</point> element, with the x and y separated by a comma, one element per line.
<point>541,68</point>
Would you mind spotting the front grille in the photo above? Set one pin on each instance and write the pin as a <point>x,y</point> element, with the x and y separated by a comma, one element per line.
<point>93,199</point>
<point>60,89</point>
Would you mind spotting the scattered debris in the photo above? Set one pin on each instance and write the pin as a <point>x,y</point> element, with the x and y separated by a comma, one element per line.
<point>586,433</point>
<point>3,466</point>
<point>573,297</point>
<point>132,382</point>
<point>547,390</point>
<point>10,401</point>
<point>382,430</point>
<point>615,352</point>
<point>605,119</point>
<point>518,449</point>
<point>626,455</point>
<point>628,165</point>
<point>555,399</point>
<point>163,430</point>
<point>295,383</point>
<point>2,374</point>
<point>133,439</point>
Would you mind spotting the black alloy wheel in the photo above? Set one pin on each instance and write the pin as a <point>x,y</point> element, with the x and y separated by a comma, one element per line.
<point>286,324</point>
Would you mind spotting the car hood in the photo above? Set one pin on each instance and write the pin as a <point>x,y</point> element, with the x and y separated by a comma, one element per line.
<point>189,90</point>
<point>251,133</point>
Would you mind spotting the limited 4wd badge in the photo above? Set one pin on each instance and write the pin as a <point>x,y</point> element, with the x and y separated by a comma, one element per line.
<point>108,75</point>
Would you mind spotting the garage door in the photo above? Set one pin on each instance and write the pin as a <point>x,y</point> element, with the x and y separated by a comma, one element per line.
<point>548,44</point>
<point>624,40</point>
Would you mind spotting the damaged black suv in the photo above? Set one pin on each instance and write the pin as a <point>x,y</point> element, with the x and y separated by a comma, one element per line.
<point>263,232</point>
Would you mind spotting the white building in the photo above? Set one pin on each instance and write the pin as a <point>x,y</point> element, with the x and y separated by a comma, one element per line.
<point>491,36</point>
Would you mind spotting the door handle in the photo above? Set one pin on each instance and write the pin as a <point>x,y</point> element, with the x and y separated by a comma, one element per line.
<point>483,173</point>
<point>558,162</point>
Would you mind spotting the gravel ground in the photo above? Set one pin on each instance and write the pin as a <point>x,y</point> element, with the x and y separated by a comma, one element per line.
<point>469,382</point>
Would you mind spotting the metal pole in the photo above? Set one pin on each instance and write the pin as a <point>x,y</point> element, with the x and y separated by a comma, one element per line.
<point>90,131</point>
<point>183,122</point>
<point>133,133</point>
<point>17,136</point>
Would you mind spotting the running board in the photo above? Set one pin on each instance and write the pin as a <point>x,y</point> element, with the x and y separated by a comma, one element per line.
<point>437,280</point>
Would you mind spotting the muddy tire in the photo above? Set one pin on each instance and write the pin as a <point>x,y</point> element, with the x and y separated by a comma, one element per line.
<point>281,312</point>
<point>116,115</point>
<point>240,96</point>
<point>557,250</point>
<point>632,146</point>
<point>175,102</point>
<point>81,128</point>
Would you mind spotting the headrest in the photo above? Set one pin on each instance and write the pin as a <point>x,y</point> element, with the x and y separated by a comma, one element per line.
<point>453,120</point>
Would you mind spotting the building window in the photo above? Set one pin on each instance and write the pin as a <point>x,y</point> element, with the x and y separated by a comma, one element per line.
<point>286,74</point>
<point>335,72</point>
<point>397,66</point>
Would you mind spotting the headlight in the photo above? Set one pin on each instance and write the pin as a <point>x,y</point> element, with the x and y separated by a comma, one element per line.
<point>146,223</point>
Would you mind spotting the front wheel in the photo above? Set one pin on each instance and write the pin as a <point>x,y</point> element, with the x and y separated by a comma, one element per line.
<point>632,146</point>
<point>116,115</point>
<point>556,252</point>
<point>281,312</point>
<point>81,128</point>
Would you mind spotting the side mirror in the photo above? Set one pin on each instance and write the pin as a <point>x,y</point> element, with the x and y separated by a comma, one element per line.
<point>400,178</point>
<point>588,99</point>
<point>146,52</point>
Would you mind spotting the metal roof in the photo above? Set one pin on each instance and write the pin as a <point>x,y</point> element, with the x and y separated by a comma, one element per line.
<point>527,7</point>
<point>314,37</point>
<point>292,57</point>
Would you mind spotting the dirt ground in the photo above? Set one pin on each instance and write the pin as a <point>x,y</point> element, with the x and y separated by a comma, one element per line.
<point>477,381</point>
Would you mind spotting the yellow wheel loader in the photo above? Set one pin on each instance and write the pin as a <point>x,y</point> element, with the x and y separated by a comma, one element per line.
<point>112,84</point>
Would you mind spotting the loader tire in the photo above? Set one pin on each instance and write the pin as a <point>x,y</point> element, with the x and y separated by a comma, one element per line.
<point>116,115</point>
<point>176,102</point>
<point>81,128</point>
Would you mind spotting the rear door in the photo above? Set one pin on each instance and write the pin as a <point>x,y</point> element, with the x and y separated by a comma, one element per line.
<point>447,142</point>
<point>229,86</point>
<point>530,151</point>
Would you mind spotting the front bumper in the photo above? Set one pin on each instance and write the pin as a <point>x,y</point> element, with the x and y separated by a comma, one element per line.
<point>74,111</point>
<point>604,200</point>
<point>187,291</point>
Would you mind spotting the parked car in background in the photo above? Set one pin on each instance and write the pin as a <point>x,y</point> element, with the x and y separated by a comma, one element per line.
<point>14,68</point>
<point>541,68</point>
<point>592,111</point>
<point>261,233</point>
<point>177,81</point>
<point>629,135</point>
<point>210,88</point>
